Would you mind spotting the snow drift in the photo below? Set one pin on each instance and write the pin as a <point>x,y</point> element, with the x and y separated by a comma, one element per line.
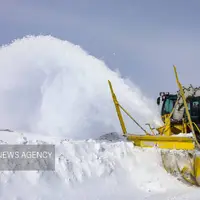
<point>55,87</point>
<point>92,169</point>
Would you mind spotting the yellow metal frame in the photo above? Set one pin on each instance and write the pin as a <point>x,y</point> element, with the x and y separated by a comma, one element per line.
<point>164,140</point>
<point>118,107</point>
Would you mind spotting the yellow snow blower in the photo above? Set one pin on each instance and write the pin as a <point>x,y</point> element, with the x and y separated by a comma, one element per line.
<point>180,133</point>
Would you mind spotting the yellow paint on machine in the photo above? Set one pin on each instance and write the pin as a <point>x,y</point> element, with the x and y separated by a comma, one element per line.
<point>197,169</point>
<point>163,142</point>
<point>167,138</point>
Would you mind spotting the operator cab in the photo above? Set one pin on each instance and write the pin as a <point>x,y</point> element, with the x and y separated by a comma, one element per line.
<point>169,101</point>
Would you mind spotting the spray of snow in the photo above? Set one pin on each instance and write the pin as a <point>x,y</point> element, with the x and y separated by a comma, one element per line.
<point>55,87</point>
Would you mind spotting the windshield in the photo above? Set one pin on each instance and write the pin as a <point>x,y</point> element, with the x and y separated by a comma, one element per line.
<point>169,104</point>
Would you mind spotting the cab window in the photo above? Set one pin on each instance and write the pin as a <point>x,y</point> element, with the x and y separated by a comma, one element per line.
<point>195,108</point>
<point>169,103</point>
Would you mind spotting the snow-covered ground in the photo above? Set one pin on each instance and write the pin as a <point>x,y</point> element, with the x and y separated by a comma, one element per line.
<point>54,92</point>
<point>94,169</point>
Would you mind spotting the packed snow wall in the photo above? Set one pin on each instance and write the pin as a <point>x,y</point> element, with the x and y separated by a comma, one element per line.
<point>92,169</point>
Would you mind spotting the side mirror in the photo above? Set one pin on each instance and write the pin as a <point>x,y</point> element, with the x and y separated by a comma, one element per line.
<point>158,101</point>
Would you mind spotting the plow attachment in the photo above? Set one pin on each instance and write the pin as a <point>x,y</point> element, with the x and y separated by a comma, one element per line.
<point>182,164</point>
<point>163,142</point>
<point>178,152</point>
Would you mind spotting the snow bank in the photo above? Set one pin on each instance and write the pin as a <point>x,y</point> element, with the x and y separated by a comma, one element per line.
<point>91,169</point>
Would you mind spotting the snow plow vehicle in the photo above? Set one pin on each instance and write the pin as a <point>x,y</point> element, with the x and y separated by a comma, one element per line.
<point>179,138</point>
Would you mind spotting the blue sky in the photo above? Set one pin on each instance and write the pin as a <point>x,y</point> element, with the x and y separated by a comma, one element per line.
<point>142,38</point>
